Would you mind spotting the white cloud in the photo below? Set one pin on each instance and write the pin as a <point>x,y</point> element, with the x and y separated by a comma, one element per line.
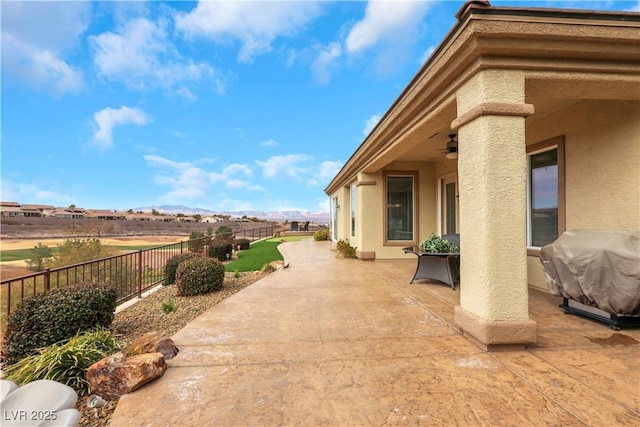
<point>291,165</point>
<point>389,27</point>
<point>187,181</point>
<point>385,20</point>
<point>241,184</point>
<point>256,26</point>
<point>16,192</point>
<point>237,168</point>
<point>140,55</point>
<point>300,167</point>
<point>325,63</point>
<point>156,160</point>
<point>370,123</point>
<point>328,169</point>
<point>36,36</point>
<point>108,118</point>
<point>269,143</point>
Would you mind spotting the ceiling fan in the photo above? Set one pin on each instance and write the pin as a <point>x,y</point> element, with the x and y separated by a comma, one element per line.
<point>451,151</point>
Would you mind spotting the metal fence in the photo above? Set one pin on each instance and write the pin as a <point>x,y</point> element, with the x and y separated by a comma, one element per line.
<point>130,274</point>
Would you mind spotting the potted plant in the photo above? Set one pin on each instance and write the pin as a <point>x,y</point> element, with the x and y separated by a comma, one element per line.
<point>437,244</point>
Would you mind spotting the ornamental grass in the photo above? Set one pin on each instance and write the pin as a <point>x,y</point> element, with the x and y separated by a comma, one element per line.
<point>65,362</point>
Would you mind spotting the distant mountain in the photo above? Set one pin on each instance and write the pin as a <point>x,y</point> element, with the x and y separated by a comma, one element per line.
<point>317,217</point>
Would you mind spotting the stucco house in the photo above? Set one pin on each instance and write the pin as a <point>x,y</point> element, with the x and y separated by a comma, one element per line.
<point>543,106</point>
<point>210,219</point>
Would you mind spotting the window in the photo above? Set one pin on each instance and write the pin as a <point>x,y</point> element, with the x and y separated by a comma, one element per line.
<point>353,210</point>
<point>449,203</point>
<point>545,213</point>
<point>400,207</point>
<point>334,217</point>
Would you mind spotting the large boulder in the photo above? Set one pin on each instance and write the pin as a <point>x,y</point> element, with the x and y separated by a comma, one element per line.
<point>153,342</point>
<point>117,374</point>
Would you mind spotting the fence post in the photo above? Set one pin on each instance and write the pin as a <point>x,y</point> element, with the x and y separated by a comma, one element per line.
<point>47,283</point>
<point>139,273</point>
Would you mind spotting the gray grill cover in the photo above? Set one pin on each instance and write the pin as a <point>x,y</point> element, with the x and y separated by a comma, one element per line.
<point>596,268</point>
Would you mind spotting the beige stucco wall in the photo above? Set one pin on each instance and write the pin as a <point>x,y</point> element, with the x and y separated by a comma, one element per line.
<point>427,212</point>
<point>602,166</point>
<point>369,207</point>
<point>370,201</point>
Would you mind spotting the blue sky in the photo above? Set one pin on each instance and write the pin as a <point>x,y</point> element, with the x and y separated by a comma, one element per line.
<point>224,106</point>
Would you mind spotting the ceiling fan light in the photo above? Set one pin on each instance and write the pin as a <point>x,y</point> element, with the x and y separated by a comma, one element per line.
<point>452,155</point>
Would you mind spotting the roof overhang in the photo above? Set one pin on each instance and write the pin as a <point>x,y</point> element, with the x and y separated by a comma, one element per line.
<point>549,44</point>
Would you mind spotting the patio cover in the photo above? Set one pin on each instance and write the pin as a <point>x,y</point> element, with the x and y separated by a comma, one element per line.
<point>596,268</point>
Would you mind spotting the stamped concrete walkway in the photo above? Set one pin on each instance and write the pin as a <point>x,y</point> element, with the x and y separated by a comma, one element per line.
<point>340,342</point>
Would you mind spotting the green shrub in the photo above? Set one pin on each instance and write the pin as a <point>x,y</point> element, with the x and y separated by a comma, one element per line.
<point>66,362</point>
<point>169,306</point>
<point>345,249</point>
<point>243,244</point>
<point>322,234</point>
<point>172,265</point>
<point>220,252</point>
<point>197,241</point>
<point>223,229</point>
<point>57,315</point>
<point>434,243</point>
<point>199,276</point>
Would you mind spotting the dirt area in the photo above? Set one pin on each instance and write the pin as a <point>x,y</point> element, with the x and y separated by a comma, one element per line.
<point>11,269</point>
<point>52,228</point>
<point>12,244</point>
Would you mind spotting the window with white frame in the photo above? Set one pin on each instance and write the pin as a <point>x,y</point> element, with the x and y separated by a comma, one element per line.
<point>545,201</point>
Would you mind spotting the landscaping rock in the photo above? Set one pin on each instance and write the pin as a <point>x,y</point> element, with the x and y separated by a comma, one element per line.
<point>153,342</point>
<point>116,375</point>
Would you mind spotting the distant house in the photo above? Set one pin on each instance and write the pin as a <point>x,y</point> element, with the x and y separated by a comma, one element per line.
<point>185,219</point>
<point>9,205</point>
<point>35,210</point>
<point>210,219</point>
<point>12,211</point>
<point>105,214</point>
<point>140,217</point>
<point>522,124</point>
<point>62,213</point>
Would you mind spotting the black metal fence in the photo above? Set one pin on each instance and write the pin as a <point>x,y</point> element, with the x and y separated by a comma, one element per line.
<point>130,274</point>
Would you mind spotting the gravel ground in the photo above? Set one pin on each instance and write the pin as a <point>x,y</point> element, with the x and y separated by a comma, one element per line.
<point>146,316</point>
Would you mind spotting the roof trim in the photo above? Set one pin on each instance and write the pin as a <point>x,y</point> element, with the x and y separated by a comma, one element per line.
<point>471,11</point>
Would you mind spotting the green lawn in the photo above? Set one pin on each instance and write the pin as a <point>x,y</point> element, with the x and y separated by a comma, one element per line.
<point>18,254</point>
<point>260,253</point>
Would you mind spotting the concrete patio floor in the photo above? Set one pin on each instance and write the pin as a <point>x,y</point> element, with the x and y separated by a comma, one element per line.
<point>342,342</point>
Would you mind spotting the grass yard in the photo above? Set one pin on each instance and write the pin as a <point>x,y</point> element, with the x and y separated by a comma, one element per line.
<point>19,254</point>
<point>260,253</point>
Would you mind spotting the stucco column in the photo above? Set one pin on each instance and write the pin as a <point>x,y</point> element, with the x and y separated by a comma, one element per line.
<point>344,214</point>
<point>368,219</point>
<point>492,169</point>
